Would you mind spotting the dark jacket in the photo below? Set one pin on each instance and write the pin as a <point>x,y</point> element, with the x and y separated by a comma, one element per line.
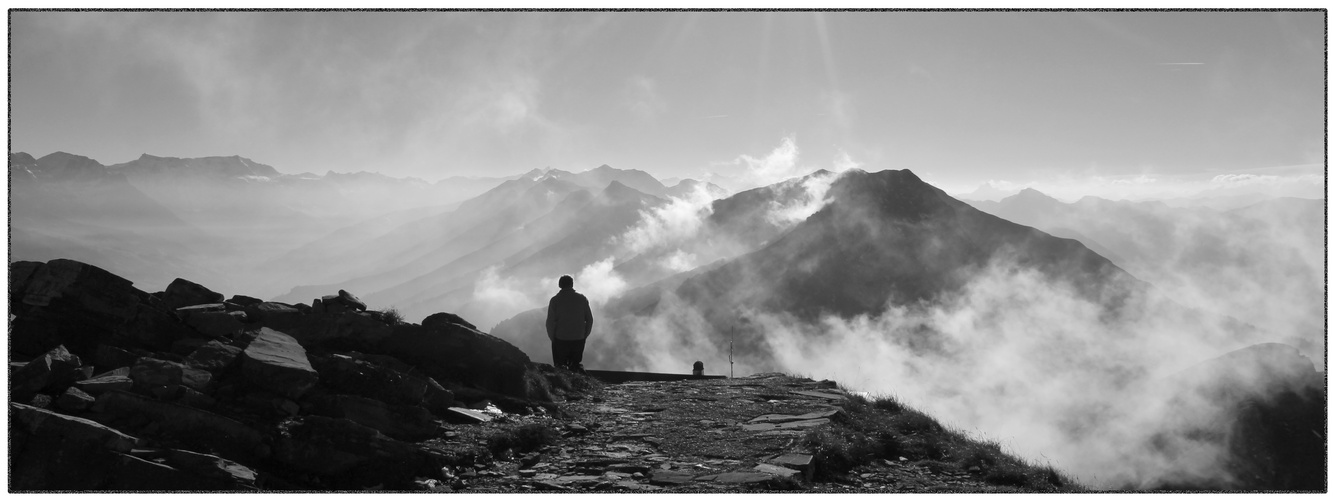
<point>568,316</point>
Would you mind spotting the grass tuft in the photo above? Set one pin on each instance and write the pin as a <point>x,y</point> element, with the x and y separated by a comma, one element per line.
<point>390,316</point>
<point>884,428</point>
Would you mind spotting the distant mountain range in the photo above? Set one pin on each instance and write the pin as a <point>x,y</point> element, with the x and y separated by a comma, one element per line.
<point>691,271</point>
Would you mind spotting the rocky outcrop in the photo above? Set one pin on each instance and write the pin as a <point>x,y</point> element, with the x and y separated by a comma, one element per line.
<point>64,302</point>
<point>441,319</point>
<point>181,293</point>
<point>276,361</point>
<point>451,351</point>
<point>55,369</point>
<point>114,388</point>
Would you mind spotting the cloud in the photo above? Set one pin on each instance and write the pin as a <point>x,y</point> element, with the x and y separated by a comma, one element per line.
<point>599,282</point>
<point>680,261</point>
<point>496,297</point>
<point>1029,362</point>
<point>784,212</point>
<point>670,224</point>
<point>780,164</point>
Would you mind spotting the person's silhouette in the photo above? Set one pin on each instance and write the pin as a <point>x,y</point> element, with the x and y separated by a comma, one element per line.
<point>569,322</point>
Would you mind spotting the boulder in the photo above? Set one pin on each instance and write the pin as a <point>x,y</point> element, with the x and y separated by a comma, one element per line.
<point>50,451</point>
<point>39,422</point>
<point>181,293</point>
<point>351,300</point>
<point>214,357</point>
<point>244,301</point>
<point>75,400</point>
<point>275,315</point>
<point>438,399</point>
<point>214,324</point>
<point>81,306</point>
<point>402,422</point>
<point>110,357</point>
<point>275,361</point>
<point>328,304</point>
<point>19,274</point>
<point>53,371</point>
<point>443,318</point>
<point>148,373</point>
<point>457,353</point>
<point>349,329</point>
<point>114,380</point>
<point>186,346</point>
<point>269,403</point>
<point>192,427</point>
<point>465,416</point>
<point>181,470</point>
<point>335,446</point>
<point>344,374</point>
<point>214,307</point>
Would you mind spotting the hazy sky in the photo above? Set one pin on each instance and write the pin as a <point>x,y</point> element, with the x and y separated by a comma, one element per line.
<point>959,97</point>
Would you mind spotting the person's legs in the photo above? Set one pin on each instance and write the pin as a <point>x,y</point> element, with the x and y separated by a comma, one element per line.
<point>558,353</point>
<point>576,355</point>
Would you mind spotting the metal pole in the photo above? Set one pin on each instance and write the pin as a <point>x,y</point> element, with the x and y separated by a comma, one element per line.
<point>731,369</point>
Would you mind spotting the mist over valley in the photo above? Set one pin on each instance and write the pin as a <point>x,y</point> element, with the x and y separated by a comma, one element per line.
<point>1062,329</point>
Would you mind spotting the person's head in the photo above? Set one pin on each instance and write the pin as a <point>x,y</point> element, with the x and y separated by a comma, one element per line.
<point>566,282</point>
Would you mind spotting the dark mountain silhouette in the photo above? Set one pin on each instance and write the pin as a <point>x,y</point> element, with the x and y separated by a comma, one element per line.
<point>1258,407</point>
<point>888,236</point>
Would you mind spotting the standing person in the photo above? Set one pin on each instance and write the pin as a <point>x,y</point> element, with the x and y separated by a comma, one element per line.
<point>569,322</point>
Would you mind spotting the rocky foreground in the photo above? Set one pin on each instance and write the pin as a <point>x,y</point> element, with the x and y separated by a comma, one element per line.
<point>116,389</point>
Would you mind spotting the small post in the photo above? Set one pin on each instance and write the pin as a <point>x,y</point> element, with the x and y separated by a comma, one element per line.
<point>731,366</point>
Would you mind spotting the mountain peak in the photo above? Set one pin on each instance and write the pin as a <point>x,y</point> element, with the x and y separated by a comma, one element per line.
<point>1030,195</point>
<point>899,193</point>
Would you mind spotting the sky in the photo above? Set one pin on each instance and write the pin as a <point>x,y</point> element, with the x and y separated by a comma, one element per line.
<point>960,98</point>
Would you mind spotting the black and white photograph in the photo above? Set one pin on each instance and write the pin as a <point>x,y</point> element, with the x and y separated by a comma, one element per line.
<point>623,250</point>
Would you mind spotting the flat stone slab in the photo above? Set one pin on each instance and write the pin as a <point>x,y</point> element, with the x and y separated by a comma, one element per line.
<point>105,383</point>
<point>466,416</point>
<point>794,460</point>
<point>575,479</point>
<point>799,424</point>
<point>276,361</point>
<point>821,394</point>
<point>739,478</point>
<point>776,470</point>
<point>779,418</point>
<point>670,478</point>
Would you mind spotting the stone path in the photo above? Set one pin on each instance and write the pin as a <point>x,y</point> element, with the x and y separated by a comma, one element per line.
<point>697,436</point>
